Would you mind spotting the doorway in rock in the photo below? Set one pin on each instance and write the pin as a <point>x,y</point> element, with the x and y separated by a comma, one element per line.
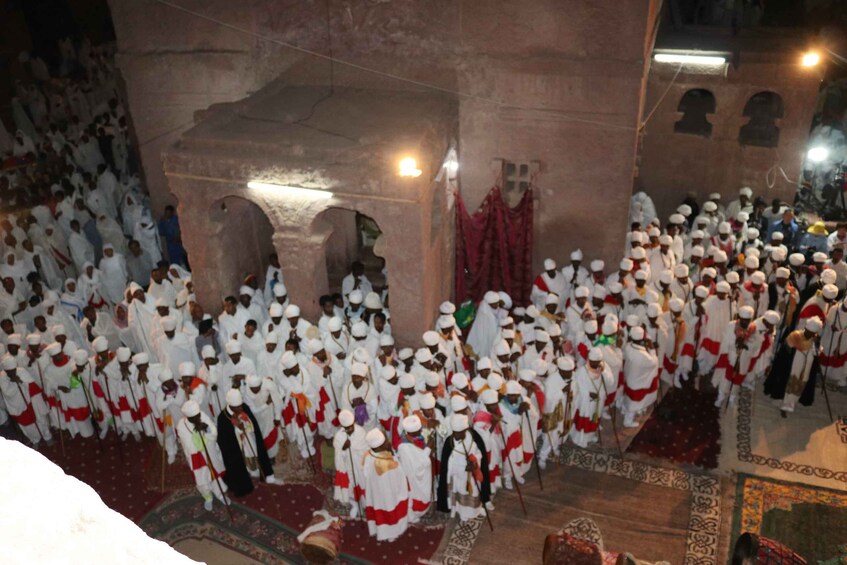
<point>353,237</point>
<point>246,235</point>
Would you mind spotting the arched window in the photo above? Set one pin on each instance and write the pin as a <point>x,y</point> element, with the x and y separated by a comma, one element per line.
<point>761,130</point>
<point>694,105</point>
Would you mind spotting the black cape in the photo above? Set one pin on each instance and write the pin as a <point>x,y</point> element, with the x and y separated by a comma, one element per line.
<point>446,451</point>
<point>237,478</point>
<point>781,373</point>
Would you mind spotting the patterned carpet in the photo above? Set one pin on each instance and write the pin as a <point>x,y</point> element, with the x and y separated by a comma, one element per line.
<point>128,477</point>
<point>683,429</point>
<point>811,521</point>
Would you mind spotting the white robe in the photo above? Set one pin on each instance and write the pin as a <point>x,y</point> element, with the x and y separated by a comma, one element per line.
<point>199,448</point>
<point>417,466</point>
<point>348,465</point>
<point>386,495</point>
<point>641,371</point>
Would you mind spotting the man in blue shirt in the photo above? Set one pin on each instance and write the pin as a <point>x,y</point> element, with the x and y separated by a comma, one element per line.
<point>788,226</point>
<point>169,230</point>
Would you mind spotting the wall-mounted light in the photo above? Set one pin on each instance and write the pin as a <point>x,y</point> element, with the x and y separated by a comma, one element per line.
<point>290,191</point>
<point>409,167</point>
<point>689,59</point>
<point>810,59</point>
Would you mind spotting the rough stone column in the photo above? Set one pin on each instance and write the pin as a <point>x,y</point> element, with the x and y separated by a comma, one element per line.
<point>303,261</point>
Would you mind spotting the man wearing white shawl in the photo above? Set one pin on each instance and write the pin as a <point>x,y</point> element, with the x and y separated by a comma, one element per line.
<point>141,312</point>
<point>147,234</point>
<point>82,251</point>
<point>486,325</point>
<point>641,377</point>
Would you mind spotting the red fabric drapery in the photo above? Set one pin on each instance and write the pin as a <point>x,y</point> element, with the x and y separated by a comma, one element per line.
<point>494,248</point>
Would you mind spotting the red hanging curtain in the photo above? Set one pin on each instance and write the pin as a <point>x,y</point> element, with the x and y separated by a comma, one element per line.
<point>494,248</point>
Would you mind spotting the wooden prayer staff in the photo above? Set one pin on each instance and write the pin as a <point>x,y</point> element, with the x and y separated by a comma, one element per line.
<point>215,473</point>
<point>91,411</point>
<point>505,454</point>
<point>303,431</point>
<point>356,484</point>
<point>614,417</point>
<point>534,450</point>
<point>479,495</point>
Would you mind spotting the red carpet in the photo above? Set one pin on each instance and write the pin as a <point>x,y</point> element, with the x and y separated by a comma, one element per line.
<point>684,428</point>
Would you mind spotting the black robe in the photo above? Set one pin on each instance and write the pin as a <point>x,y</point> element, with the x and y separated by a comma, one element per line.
<point>780,374</point>
<point>237,478</point>
<point>446,451</point>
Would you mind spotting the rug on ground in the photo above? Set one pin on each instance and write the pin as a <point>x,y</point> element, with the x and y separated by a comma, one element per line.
<point>812,521</point>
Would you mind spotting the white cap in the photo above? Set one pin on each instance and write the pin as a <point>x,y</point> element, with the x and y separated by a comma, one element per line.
<point>636,333</point>
<point>460,380</point>
<point>665,239</point>
<point>288,360</point>
<point>723,286</point>
<point>797,259</point>
<point>405,353</point>
<point>494,381</point>
<point>33,339</point>
<point>640,275</point>
<point>684,209</point>
<point>445,321</point>
<point>458,403</point>
<point>710,206</point>
<point>772,317</point>
<point>549,265</point>
<point>190,409</point>
<point>355,297</point>
<point>166,375</point>
<point>388,372</point>
<point>80,357</point>
<point>253,381</point>
<point>757,278</point>
<point>724,228</point>
<point>372,301</point>
<point>817,257</point>
<point>752,233</point>
<point>58,329</point>
<point>272,337</point>
<point>526,375</point>
<point>676,219</point>
<point>385,340</point>
<point>590,327</point>
<point>711,271</point>
<point>187,369</point>
<point>512,387</point>
<point>276,310</point>
<point>280,290</point>
<point>53,349</point>
<point>626,264</point>
<point>701,291</point>
<point>552,298</point>
<point>697,251</point>
<point>412,424</point>
<point>459,422</point>
<point>142,358</point>
<point>208,352</point>
<point>576,255</point>
<point>828,276</point>
<point>233,347</point>
<point>426,401</point>
<point>697,234</point>
<point>814,324</point>
<point>491,297</point>
<point>245,290</point>
<point>830,291</point>
<point>653,310</point>
<point>447,308</point>
<point>314,345</point>
<point>666,277</point>
<point>778,236</point>
<point>732,277</point>
<point>359,329</point>
<point>423,355</point>
<point>745,312</point>
<point>582,292</point>
<point>489,396</point>
<point>676,304</point>
<point>430,338</point>
<point>292,311</point>
<point>542,336</point>
<point>615,288</point>
<point>233,398</point>
<point>783,273</point>
<point>597,265</point>
<point>345,418</point>
<point>483,363</point>
<point>9,362</point>
<point>123,354</point>
<point>751,262</point>
<point>596,354</point>
<point>359,369</point>
<point>375,438</point>
<point>566,363</point>
<point>335,324</point>
<point>407,380</point>
<point>168,324</point>
<point>719,255</point>
<point>746,191</point>
<point>100,344</point>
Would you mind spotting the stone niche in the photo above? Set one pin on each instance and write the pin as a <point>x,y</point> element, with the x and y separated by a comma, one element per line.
<point>347,141</point>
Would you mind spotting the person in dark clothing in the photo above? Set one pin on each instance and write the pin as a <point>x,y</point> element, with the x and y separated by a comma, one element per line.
<point>242,447</point>
<point>474,460</point>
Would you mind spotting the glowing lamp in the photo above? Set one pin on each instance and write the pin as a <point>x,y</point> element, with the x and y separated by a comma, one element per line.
<point>689,59</point>
<point>817,154</point>
<point>409,167</point>
<point>811,59</point>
